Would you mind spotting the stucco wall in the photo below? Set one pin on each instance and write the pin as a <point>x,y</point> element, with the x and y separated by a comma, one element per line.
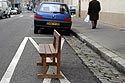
<point>71,2</point>
<point>113,6</point>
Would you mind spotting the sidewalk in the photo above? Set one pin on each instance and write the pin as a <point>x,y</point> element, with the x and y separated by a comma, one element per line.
<point>107,40</point>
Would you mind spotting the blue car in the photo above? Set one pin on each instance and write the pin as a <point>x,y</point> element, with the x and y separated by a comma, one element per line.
<point>52,15</point>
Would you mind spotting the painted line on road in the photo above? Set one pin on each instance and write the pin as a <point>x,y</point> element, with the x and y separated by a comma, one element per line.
<point>10,70</point>
<point>41,37</point>
<point>51,69</point>
<point>31,15</point>
<point>21,16</point>
<point>12,15</point>
<point>34,43</point>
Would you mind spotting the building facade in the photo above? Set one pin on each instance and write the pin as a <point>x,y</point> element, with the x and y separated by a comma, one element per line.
<point>112,11</point>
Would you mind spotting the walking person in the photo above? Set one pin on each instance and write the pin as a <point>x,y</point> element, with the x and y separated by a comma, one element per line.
<point>93,10</point>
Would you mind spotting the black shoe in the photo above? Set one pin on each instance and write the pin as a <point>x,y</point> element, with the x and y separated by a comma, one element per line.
<point>93,27</point>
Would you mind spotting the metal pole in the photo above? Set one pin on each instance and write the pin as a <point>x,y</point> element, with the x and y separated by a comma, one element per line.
<point>79,8</point>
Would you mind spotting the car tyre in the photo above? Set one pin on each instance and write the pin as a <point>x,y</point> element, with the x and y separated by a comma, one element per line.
<point>35,30</point>
<point>68,32</point>
<point>6,16</point>
<point>0,17</point>
<point>9,15</point>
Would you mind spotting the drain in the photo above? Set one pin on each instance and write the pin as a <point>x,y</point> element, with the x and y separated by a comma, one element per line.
<point>122,29</point>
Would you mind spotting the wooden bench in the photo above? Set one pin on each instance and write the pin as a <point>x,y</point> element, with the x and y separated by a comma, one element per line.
<point>53,51</point>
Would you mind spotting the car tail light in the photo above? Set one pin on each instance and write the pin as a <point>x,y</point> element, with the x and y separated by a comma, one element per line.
<point>67,19</point>
<point>38,16</point>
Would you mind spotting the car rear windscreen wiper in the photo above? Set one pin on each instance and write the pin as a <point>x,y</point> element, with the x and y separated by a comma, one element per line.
<point>55,12</point>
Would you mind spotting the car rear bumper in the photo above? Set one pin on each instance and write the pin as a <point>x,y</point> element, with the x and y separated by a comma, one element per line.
<point>42,24</point>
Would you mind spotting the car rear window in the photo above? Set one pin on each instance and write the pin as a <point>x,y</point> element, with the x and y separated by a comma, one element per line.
<point>53,8</point>
<point>5,4</point>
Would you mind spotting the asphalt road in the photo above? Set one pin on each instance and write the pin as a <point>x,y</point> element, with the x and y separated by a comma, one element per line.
<point>15,35</point>
<point>12,32</point>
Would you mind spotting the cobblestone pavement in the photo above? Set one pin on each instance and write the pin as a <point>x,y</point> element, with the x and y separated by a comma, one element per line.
<point>105,72</point>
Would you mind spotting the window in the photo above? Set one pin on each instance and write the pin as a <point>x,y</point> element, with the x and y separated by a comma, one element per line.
<point>5,4</point>
<point>0,4</point>
<point>53,8</point>
<point>63,9</point>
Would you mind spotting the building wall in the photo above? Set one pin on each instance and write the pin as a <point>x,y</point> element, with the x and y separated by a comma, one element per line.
<point>112,11</point>
<point>67,2</point>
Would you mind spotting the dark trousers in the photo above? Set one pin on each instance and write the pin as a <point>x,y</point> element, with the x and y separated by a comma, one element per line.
<point>94,23</point>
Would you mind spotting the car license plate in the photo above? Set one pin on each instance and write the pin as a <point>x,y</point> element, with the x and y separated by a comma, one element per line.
<point>53,23</point>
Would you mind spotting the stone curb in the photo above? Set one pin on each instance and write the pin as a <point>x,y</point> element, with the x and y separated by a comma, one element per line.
<point>106,54</point>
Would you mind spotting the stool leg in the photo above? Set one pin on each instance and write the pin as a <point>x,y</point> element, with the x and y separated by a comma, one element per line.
<point>53,59</point>
<point>58,64</point>
<point>42,60</point>
<point>44,65</point>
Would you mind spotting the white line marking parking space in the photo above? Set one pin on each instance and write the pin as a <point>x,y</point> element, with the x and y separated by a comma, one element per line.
<point>34,43</point>
<point>12,15</point>
<point>21,16</point>
<point>10,70</point>
<point>31,15</point>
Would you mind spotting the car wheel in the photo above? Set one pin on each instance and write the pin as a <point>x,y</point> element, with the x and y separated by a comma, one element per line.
<point>9,15</point>
<point>0,17</point>
<point>35,30</point>
<point>6,16</point>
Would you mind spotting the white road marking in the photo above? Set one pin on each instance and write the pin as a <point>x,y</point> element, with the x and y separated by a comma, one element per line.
<point>31,15</point>
<point>34,43</point>
<point>41,37</point>
<point>21,16</point>
<point>65,80</point>
<point>12,15</point>
<point>10,70</point>
<point>51,69</point>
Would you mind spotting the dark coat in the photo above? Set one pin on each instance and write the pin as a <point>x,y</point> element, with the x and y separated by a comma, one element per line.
<point>93,9</point>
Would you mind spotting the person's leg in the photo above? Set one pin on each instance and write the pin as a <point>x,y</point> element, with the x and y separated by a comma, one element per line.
<point>92,24</point>
<point>95,23</point>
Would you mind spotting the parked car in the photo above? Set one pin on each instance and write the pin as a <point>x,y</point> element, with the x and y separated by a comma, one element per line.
<point>53,15</point>
<point>19,10</point>
<point>13,10</point>
<point>17,6</point>
<point>1,10</point>
<point>4,9</point>
<point>72,9</point>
